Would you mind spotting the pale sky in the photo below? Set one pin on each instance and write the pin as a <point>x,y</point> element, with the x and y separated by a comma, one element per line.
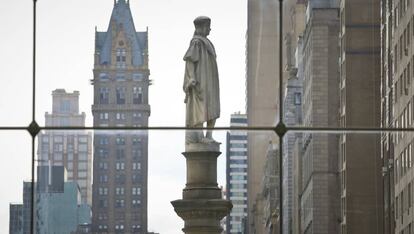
<point>65,60</point>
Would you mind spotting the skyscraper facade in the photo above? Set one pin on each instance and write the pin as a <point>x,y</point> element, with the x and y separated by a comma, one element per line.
<point>236,174</point>
<point>120,85</point>
<point>58,206</point>
<point>71,149</point>
<point>397,111</point>
<point>16,219</point>
<point>360,154</point>
<point>319,199</point>
<point>27,207</point>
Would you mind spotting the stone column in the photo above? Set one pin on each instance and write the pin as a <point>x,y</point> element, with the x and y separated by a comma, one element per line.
<point>202,206</point>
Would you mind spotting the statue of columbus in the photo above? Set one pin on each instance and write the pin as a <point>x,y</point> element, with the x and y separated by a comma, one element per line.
<point>201,83</point>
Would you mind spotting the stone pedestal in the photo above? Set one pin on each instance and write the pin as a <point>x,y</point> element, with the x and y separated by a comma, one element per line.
<point>202,206</point>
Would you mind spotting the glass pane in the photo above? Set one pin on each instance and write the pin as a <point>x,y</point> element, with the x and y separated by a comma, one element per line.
<point>128,179</point>
<point>137,60</point>
<point>16,59</point>
<point>15,174</point>
<point>350,182</point>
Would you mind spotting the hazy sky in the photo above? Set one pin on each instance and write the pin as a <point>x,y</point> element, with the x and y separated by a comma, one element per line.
<point>65,60</point>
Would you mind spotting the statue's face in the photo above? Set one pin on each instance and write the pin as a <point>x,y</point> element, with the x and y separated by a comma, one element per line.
<point>205,30</point>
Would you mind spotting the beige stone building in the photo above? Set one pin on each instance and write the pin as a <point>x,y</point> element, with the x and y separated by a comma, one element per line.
<point>71,149</point>
<point>319,200</point>
<point>397,111</point>
<point>360,155</point>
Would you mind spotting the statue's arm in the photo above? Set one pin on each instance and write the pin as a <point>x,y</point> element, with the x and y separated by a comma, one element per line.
<point>190,79</point>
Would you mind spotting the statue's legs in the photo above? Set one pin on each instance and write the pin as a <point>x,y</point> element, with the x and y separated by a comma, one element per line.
<point>194,136</point>
<point>210,124</point>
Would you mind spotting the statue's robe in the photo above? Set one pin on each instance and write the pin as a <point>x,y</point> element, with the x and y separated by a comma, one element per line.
<point>203,101</point>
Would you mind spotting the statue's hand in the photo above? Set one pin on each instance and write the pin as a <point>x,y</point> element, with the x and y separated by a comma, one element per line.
<point>191,84</point>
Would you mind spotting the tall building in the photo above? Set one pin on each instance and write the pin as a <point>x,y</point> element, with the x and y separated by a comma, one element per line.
<point>120,85</point>
<point>262,79</point>
<point>270,188</point>
<point>319,200</point>
<point>16,219</point>
<point>388,89</point>
<point>360,154</point>
<point>236,173</point>
<point>71,149</point>
<point>27,207</point>
<point>397,111</point>
<point>295,150</point>
<point>58,207</point>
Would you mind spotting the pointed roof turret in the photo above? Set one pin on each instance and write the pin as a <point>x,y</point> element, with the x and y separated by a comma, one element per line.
<point>121,19</point>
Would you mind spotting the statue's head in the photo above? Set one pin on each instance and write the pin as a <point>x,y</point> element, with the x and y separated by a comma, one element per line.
<point>202,26</point>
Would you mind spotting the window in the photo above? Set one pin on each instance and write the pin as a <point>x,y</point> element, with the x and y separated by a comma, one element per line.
<point>82,166</point>
<point>121,58</point>
<point>137,77</point>
<point>120,166</point>
<point>136,202</point>
<point>103,153</point>
<point>83,147</point>
<point>103,140</point>
<point>103,165</point>
<point>120,140</point>
<point>103,191</point>
<point>136,166</point>
<point>120,191</point>
<point>120,116</point>
<point>65,106</point>
<point>119,203</point>
<point>137,95</point>
<point>120,77</point>
<point>120,153</point>
<point>136,191</point>
<point>104,95</point>
<point>103,178</point>
<point>103,76</point>
<point>103,203</point>
<point>136,154</point>
<point>298,99</point>
<point>104,116</point>
<point>136,140</point>
<point>120,95</point>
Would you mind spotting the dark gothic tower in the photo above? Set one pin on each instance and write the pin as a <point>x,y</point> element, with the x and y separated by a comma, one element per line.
<point>120,99</point>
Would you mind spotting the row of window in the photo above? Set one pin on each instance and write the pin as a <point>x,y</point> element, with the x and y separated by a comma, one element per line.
<point>120,95</point>
<point>119,203</point>
<point>136,178</point>
<point>403,163</point>
<point>59,147</point>
<point>404,120</point>
<point>119,166</point>
<point>119,140</point>
<point>120,116</point>
<point>400,9</point>
<point>59,139</point>
<point>404,39</point>
<point>120,153</point>
<point>403,203</point>
<point>82,158</point>
<point>119,191</point>
<point>135,227</point>
<point>121,76</point>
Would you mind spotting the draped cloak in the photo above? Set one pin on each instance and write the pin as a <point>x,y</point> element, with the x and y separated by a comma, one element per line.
<point>203,100</point>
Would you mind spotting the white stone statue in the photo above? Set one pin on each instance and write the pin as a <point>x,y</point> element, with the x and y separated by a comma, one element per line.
<point>201,83</point>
